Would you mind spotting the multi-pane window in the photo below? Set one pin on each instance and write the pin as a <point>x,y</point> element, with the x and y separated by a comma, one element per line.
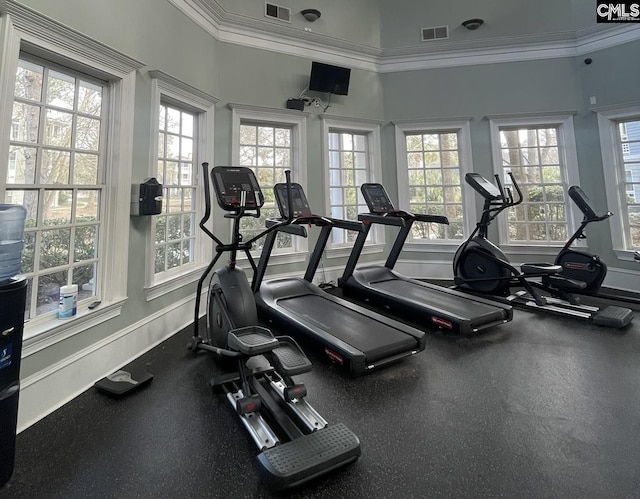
<point>175,228</point>
<point>267,149</point>
<point>56,171</point>
<point>532,155</point>
<point>629,144</point>
<point>348,169</point>
<point>433,164</point>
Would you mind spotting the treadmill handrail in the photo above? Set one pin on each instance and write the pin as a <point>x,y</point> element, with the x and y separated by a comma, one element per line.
<point>438,219</point>
<point>399,218</point>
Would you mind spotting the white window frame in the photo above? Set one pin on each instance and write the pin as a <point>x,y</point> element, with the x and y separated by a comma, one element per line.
<point>568,156</point>
<point>275,117</point>
<point>167,88</point>
<point>614,181</point>
<point>372,131</point>
<point>23,28</point>
<point>462,128</point>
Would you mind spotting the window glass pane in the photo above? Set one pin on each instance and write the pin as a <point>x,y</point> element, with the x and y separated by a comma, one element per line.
<point>87,206</point>
<point>90,98</point>
<point>55,244</point>
<point>22,165</point>
<point>29,78</point>
<point>87,133</point>
<point>187,125</point>
<point>25,122</point>
<point>85,169</point>
<point>84,276</point>
<point>86,243</point>
<point>60,90</point>
<point>55,167</point>
<point>48,294</point>
<point>57,207</point>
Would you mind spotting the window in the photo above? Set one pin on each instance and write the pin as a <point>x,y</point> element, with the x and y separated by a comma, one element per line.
<point>270,142</point>
<point>540,153</point>
<point>177,247</point>
<point>352,157</point>
<point>432,160</point>
<point>349,168</point>
<point>57,173</point>
<point>630,148</point>
<point>266,149</point>
<point>175,228</point>
<point>620,138</point>
<point>70,165</point>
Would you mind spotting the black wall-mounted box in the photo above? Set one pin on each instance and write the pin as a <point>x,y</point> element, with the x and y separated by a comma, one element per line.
<point>146,198</point>
<point>295,104</point>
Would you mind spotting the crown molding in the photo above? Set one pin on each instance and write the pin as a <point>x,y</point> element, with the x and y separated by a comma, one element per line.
<point>184,89</point>
<point>35,28</point>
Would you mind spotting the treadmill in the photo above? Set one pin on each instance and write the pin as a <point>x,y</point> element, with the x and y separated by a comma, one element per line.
<point>421,302</point>
<point>350,335</point>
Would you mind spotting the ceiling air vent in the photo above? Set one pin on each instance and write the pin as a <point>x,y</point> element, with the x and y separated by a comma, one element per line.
<point>277,12</point>
<point>437,33</point>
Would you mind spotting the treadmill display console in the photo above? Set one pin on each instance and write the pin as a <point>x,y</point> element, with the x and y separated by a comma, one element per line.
<point>230,182</point>
<point>377,199</point>
<point>298,198</point>
<point>485,188</point>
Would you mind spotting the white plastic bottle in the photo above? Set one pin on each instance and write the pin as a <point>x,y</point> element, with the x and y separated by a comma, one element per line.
<point>68,301</point>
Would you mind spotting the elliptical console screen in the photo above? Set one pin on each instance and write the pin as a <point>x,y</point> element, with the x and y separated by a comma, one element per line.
<point>298,199</point>
<point>230,182</point>
<point>485,188</point>
<point>377,199</point>
<point>581,199</point>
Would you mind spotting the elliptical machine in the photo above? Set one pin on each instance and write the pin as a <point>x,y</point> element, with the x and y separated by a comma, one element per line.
<point>296,444</point>
<point>584,266</point>
<point>480,266</point>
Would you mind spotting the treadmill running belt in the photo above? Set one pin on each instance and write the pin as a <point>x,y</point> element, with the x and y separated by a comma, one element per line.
<point>376,340</point>
<point>438,300</point>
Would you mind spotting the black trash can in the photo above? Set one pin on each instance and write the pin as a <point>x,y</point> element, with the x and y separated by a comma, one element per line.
<point>13,296</point>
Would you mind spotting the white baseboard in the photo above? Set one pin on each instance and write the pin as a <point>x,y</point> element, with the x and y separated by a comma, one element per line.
<point>44,392</point>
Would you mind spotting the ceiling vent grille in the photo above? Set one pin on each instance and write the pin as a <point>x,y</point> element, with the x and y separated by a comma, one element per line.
<point>277,12</point>
<point>436,33</point>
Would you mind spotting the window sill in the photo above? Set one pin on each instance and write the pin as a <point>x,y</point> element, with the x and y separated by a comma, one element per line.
<point>41,335</point>
<point>345,251</point>
<point>173,281</point>
<point>625,255</point>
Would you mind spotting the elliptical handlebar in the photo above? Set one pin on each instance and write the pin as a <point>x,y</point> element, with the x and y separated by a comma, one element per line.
<point>507,195</point>
<point>207,204</point>
<point>286,221</point>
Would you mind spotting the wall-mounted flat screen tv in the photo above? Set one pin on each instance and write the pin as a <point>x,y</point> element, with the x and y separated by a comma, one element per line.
<point>328,78</point>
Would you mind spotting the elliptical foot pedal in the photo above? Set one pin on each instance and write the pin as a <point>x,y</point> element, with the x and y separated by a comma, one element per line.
<point>289,358</point>
<point>613,316</point>
<point>251,340</point>
<point>310,456</point>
